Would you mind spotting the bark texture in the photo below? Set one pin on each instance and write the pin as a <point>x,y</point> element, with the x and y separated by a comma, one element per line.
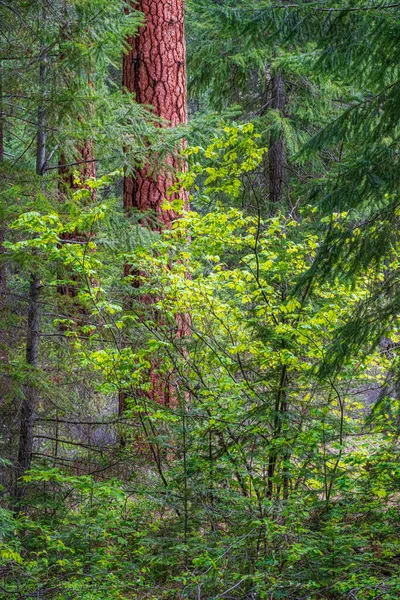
<point>85,164</point>
<point>87,168</point>
<point>30,400</point>
<point>276,151</point>
<point>1,118</point>
<point>155,71</point>
<point>3,274</point>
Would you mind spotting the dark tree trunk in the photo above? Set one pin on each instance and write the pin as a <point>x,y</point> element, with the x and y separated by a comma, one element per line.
<point>3,274</point>
<point>29,402</point>
<point>276,152</point>
<point>1,117</point>
<point>280,419</point>
<point>41,133</point>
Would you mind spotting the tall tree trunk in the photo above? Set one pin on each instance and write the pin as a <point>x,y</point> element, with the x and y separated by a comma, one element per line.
<point>1,116</point>
<point>276,153</point>
<point>87,167</point>
<point>3,271</point>
<point>3,274</point>
<point>29,402</point>
<point>84,160</point>
<point>41,132</point>
<point>155,71</point>
<point>30,393</point>
<point>3,277</point>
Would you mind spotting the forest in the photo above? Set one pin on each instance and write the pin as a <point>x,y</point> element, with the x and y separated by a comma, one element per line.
<point>199,299</point>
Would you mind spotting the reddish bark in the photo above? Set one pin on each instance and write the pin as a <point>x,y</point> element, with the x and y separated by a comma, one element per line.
<point>87,168</point>
<point>155,71</point>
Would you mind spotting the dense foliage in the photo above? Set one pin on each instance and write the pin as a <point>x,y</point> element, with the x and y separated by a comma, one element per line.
<point>215,405</point>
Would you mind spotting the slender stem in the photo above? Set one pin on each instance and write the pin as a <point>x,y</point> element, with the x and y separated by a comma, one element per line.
<point>29,402</point>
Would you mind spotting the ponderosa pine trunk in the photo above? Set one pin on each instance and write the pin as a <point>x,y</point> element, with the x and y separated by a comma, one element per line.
<point>155,71</point>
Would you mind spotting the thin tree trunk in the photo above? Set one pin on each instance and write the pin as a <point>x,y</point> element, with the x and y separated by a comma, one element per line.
<point>3,274</point>
<point>29,402</point>
<point>41,133</point>
<point>280,412</point>
<point>276,152</point>
<point>3,270</point>
<point>1,116</point>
